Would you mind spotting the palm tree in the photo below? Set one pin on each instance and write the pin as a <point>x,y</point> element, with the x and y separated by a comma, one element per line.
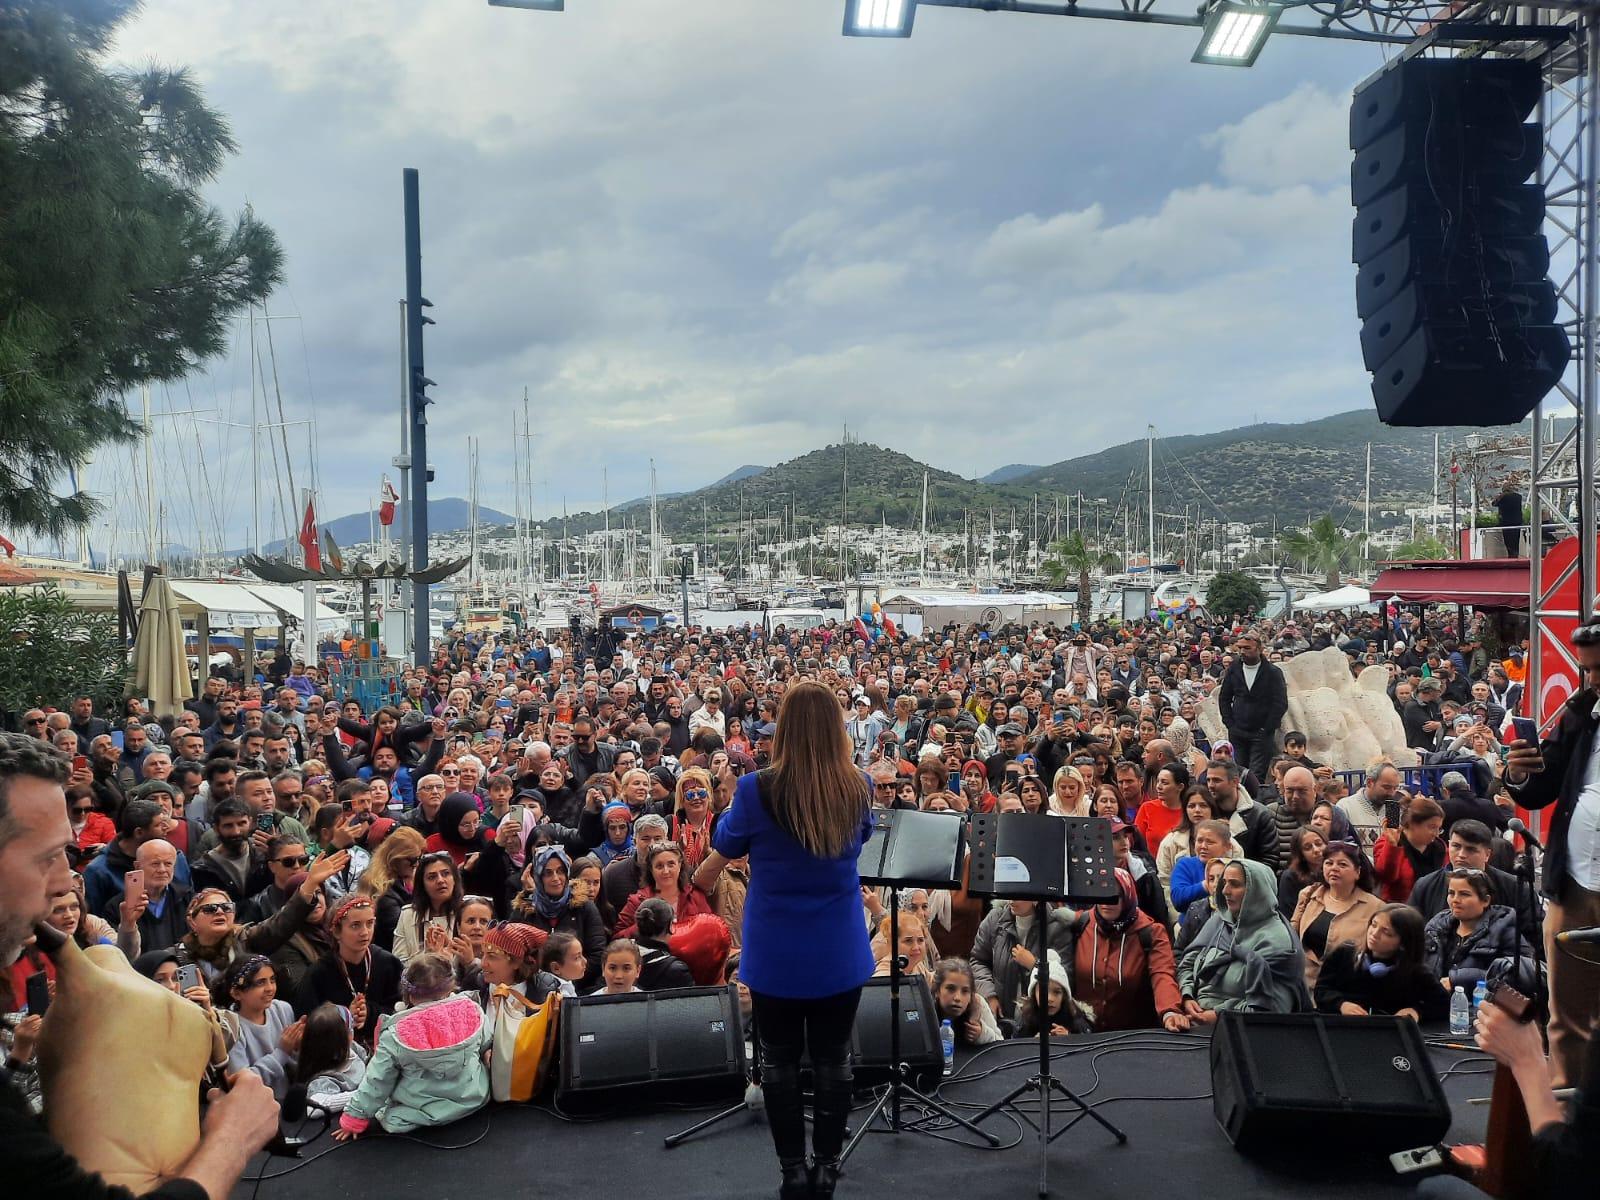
<point>1326,547</point>
<point>1424,547</point>
<point>1075,557</point>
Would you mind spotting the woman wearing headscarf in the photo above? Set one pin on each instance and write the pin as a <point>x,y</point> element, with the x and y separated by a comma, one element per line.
<point>460,828</point>
<point>1247,958</point>
<point>483,858</point>
<point>616,818</point>
<point>546,903</point>
<point>1124,973</point>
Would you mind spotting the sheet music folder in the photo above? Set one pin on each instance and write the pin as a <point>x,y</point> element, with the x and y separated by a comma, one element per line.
<point>909,848</point>
<point>1038,856</point>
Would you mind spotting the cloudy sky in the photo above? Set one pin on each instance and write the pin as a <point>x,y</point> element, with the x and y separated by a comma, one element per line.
<point>715,232</point>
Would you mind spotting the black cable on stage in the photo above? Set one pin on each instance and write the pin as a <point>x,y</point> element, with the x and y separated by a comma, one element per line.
<point>263,1174</point>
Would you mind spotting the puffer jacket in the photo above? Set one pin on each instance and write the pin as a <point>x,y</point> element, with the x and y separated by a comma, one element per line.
<point>994,972</point>
<point>427,1069</point>
<point>1468,960</point>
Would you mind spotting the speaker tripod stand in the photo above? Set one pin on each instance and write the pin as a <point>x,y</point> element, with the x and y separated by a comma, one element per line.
<point>900,1086</point>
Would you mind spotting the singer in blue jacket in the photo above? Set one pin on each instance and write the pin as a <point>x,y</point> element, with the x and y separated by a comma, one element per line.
<point>805,955</point>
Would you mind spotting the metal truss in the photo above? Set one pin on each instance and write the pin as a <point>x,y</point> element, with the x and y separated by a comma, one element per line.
<point>1455,23</point>
<point>1562,487</point>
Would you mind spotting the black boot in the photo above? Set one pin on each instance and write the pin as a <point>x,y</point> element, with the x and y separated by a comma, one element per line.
<point>780,1090</point>
<point>831,1117</point>
<point>824,1178</point>
<point>795,1180</point>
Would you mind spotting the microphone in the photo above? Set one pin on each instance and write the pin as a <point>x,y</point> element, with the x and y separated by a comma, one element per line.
<point>1579,937</point>
<point>1518,826</point>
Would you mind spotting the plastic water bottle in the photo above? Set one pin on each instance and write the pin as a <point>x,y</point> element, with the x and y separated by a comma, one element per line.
<point>1479,995</point>
<point>1460,1014</point>
<point>947,1039</point>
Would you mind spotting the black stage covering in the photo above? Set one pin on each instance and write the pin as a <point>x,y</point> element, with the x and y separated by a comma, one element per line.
<point>1155,1085</point>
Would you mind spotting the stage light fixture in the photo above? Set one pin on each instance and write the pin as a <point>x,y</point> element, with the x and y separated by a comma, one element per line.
<point>532,5</point>
<point>1234,33</point>
<point>879,18</point>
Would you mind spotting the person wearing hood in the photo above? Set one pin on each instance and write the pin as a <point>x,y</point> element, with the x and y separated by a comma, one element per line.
<point>546,904</point>
<point>1247,959</point>
<point>1004,951</point>
<point>427,1068</point>
<point>1125,976</point>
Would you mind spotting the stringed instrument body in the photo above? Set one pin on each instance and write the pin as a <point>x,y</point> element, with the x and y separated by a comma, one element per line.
<point>1502,1166</point>
<point>111,1039</point>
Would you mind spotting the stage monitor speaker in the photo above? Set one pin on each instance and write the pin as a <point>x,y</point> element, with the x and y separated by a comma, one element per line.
<point>680,1044</point>
<point>1296,1080</point>
<point>919,1034</point>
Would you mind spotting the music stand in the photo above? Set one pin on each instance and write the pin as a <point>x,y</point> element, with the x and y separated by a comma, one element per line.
<point>1040,857</point>
<point>909,848</point>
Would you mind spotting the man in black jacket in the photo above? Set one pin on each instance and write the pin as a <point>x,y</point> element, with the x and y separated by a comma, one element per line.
<point>1254,831</point>
<point>1470,846</point>
<point>1252,701</point>
<point>1422,716</point>
<point>34,834</point>
<point>1562,774</point>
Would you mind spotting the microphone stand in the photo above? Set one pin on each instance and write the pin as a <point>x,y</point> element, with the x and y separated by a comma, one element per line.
<point>1526,880</point>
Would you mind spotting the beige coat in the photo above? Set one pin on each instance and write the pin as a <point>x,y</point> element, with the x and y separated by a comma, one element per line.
<point>1348,926</point>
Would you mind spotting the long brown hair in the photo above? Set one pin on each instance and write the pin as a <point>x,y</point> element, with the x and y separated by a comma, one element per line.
<point>819,794</point>
<point>380,876</point>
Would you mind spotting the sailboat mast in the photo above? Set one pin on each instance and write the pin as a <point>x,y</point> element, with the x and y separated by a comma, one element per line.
<point>605,551</point>
<point>655,528</point>
<point>255,437</point>
<point>149,481</point>
<point>922,554</point>
<point>844,505</point>
<point>1150,470</point>
<point>1366,508</point>
<point>472,507</point>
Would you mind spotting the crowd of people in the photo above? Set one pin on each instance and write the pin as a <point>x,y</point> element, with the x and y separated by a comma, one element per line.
<point>348,894</point>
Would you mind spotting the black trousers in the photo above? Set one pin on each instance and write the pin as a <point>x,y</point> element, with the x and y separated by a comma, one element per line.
<point>788,1030</point>
<point>1253,751</point>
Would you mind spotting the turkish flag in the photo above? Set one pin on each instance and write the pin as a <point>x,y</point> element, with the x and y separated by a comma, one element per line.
<point>8,547</point>
<point>308,537</point>
<point>386,503</point>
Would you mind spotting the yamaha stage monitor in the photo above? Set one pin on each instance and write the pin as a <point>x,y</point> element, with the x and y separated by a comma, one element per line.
<point>1366,1083</point>
<point>919,1034</point>
<point>680,1044</point>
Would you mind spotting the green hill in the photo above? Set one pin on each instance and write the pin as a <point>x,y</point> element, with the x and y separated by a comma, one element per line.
<point>1255,473</point>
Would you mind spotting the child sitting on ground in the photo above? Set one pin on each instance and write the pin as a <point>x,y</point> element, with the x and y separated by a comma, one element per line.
<point>428,1066</point>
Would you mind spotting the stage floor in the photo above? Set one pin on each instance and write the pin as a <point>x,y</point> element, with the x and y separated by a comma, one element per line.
<point>1155,1086</point>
